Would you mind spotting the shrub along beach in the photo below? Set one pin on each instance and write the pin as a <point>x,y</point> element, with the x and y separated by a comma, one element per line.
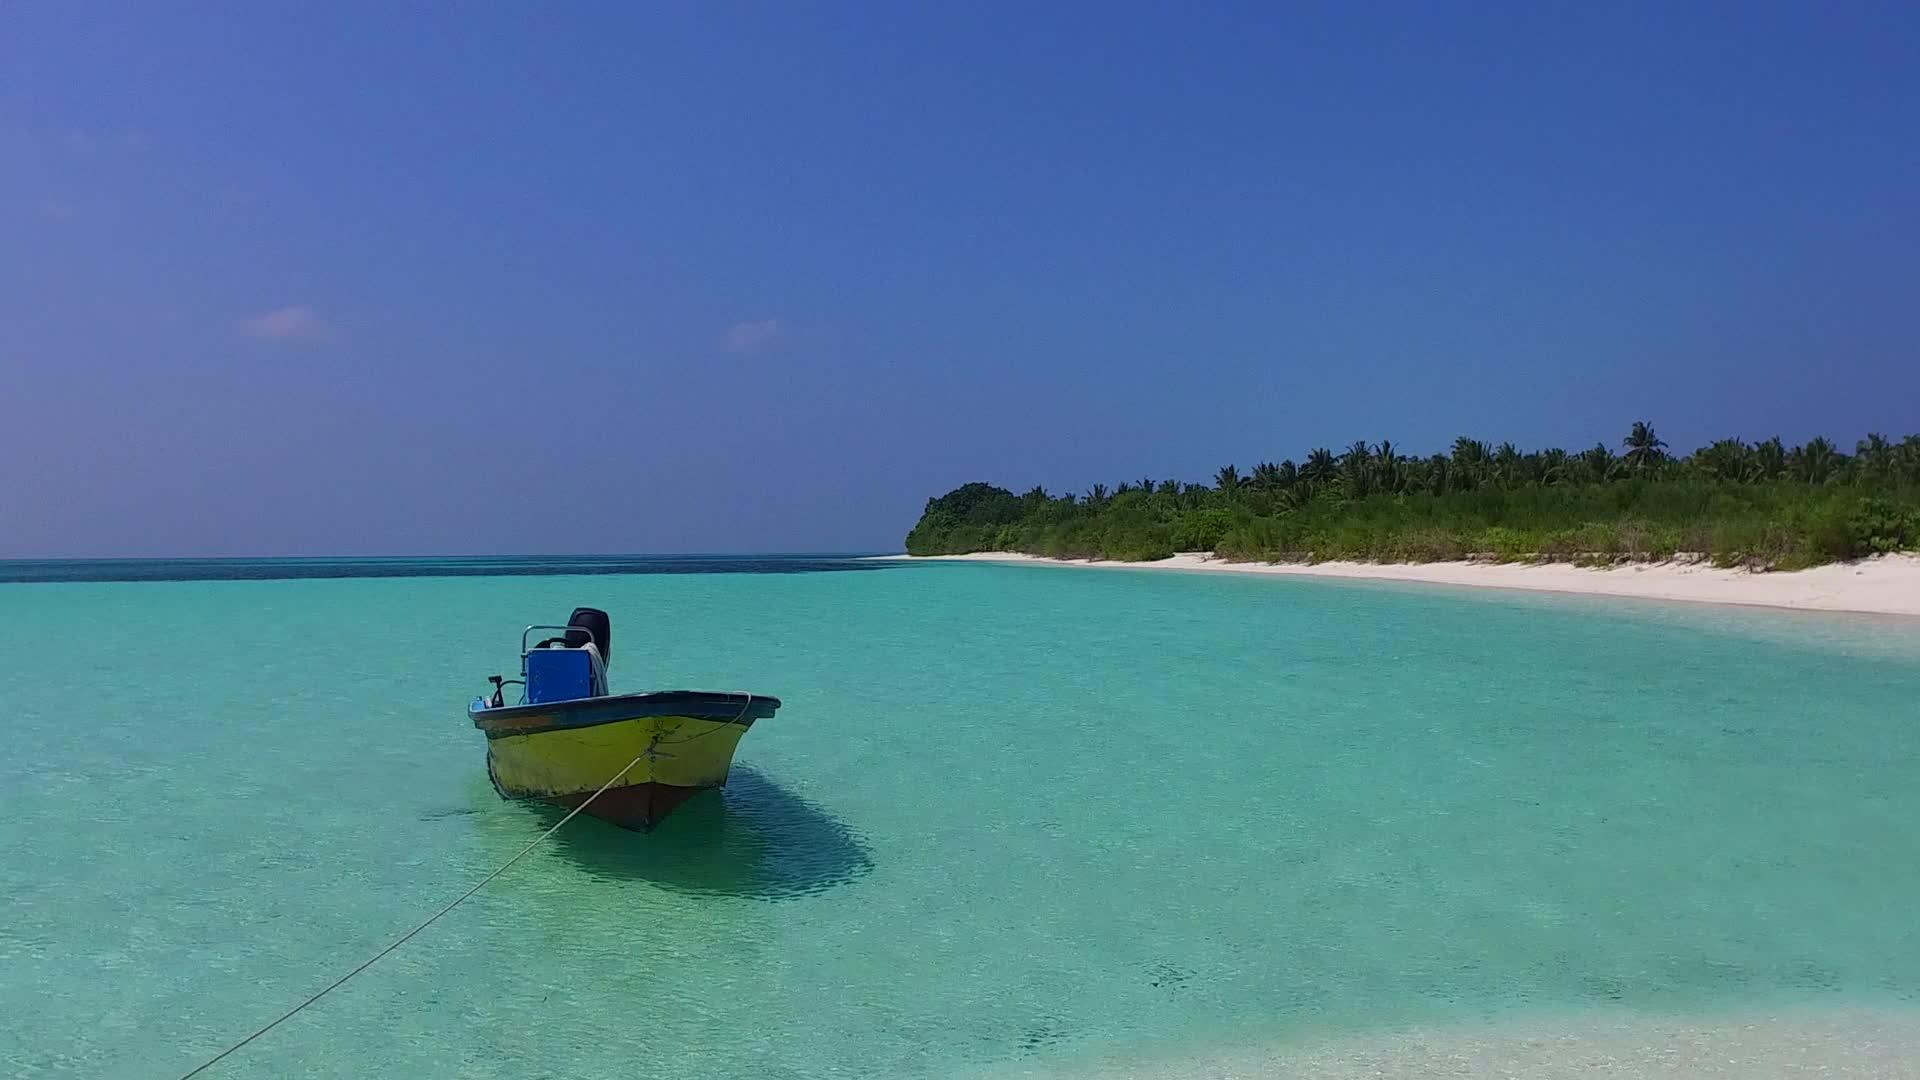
<point>1760,505</point>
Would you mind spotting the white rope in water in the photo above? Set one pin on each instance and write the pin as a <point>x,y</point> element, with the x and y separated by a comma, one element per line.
<point>431,919</point>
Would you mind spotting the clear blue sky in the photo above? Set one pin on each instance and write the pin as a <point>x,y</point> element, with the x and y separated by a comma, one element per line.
<point>492,278</point>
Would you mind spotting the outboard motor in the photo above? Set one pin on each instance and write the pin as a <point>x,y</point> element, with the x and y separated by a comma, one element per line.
<point>591,624</point>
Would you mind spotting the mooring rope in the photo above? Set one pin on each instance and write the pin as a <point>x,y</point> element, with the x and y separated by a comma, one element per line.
<point>430,920</point>
<point>746,707</point>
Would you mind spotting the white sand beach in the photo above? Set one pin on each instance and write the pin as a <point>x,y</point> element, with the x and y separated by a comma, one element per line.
<point>1882,585</point>
<point>1831,1044</point>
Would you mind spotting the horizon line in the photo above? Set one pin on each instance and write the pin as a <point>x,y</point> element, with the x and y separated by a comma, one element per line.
<point>449,557</point>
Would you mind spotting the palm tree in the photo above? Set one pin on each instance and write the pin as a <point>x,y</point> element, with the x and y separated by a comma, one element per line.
<point>1507,466</point>
<point>1356,470</point>
<point>1388,466</point>
<point>1644,448</point>
<point>1097,496</point>
<point>1290,473</point>
<point>1599,463</point>
<point>1553,466</point>
<point>1907,460</point>
<point>1319,467</point>
<point>1266,477</point>
<point>1168,487</point>
<point>1726,460</point>
<point>1875,454</point>
<point>1035,498</point>
<point>1227,480</point>
<point>1469,463</point>
<point>1469,453</point>
<point>1816,462</point>
<point>1769,460</point>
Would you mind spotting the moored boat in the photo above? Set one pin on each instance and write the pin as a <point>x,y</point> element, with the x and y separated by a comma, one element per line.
<point>568,735</point>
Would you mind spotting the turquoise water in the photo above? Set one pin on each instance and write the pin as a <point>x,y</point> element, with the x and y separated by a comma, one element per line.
<point>1007,815</point>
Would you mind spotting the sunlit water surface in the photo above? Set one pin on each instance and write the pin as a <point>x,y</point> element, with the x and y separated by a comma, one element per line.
<point>1006,815</point>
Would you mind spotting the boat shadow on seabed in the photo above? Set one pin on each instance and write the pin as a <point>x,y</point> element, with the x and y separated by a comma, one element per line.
<point>753,838</point>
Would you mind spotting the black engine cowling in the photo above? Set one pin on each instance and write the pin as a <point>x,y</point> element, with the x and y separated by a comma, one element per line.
<point>591,624</point>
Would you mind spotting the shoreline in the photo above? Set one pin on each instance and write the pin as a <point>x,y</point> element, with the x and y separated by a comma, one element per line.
<point>1881,585</point>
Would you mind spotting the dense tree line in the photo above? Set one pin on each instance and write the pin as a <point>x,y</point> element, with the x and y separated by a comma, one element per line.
<point>1763,504</point>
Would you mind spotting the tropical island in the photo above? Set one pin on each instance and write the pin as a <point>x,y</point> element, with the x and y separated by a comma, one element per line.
<point>1761,506</point>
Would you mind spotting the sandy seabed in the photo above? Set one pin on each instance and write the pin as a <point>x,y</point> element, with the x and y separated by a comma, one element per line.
<point>1802,1044</point>
<point>1827,1043</point>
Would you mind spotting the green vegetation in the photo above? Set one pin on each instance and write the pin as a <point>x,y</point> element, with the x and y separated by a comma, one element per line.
<point>1762,504</point>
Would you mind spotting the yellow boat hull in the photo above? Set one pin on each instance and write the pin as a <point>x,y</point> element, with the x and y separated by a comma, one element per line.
<point>657,749</point>
<point>681,751</point>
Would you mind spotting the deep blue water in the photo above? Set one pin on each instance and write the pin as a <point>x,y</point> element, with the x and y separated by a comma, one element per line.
<point>22,571</point>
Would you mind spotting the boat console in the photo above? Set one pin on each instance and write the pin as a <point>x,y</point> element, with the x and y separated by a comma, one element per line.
<point>566,667</point>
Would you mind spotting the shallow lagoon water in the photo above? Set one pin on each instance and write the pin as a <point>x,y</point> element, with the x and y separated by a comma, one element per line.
<point>1007,816</point>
